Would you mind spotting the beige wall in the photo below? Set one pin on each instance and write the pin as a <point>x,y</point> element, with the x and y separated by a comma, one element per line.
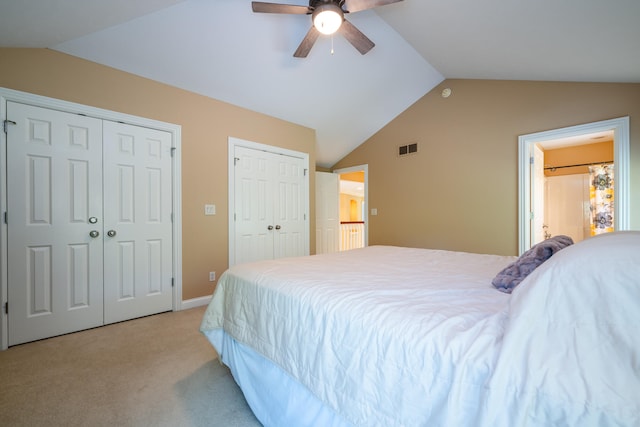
<point>206,125</point>
<point>353,176</point>
<point>577,155</point>
<point>350,208</point>
<point>460,191</point>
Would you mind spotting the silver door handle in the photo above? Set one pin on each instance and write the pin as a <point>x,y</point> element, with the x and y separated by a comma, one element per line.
<point>111,233</point>
<point>93,220</point>
<point>270,227</point>
<point>278,227</point>
<point>94,233</point>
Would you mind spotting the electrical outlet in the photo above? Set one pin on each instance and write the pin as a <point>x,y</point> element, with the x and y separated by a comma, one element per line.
<point>212,276</point>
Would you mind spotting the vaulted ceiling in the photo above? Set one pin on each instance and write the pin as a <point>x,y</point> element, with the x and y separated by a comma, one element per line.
<point>221,49</point>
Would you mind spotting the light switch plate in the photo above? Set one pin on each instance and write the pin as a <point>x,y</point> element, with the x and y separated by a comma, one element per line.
<point>209,209</point>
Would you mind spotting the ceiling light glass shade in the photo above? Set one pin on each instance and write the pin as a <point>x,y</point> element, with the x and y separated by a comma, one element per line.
<point>327,18</point>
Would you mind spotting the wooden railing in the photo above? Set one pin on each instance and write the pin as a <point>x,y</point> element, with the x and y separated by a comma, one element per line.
<point>351,235</point>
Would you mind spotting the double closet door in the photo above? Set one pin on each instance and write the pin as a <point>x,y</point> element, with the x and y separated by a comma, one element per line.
<point>88,222</point>
<point>269,205</point>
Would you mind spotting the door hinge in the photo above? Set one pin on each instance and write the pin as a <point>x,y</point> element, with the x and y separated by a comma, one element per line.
<point>236,160</point>
<point>6,123</point>
<point>173,150</point>
<point>6,217</point>
<point>531,160</point>
<point>305,172</point>
<point>6,308</point>
<point>173,282</point>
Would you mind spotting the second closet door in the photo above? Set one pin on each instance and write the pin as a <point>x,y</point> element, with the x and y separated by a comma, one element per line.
<point>269,206</point>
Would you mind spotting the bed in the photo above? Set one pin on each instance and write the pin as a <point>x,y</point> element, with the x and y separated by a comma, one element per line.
<point>393,336</point>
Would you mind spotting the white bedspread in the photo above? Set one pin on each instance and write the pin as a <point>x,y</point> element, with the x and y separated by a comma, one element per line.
<point>385,336</point>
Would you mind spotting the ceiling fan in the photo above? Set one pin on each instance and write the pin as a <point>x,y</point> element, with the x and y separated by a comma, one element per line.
<point>327,17</point>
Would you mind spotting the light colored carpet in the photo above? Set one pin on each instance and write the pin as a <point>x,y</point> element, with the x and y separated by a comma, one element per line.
<point>154,371</point>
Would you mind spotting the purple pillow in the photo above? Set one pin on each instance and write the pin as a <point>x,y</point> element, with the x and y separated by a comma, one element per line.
<point>514,273</point>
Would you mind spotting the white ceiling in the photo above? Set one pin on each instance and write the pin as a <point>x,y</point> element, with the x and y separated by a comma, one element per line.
<point>223,50</point>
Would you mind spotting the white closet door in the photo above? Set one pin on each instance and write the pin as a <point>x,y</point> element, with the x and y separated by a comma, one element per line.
<point>54,182</point>
<point>254,227</point>
<point>137,225</point>
<point>269,212</point>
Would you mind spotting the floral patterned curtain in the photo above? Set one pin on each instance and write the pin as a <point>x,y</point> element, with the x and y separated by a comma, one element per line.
<point>601,195</point>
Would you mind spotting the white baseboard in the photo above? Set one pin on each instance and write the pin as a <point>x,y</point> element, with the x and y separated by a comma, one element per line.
<point>196,302</point>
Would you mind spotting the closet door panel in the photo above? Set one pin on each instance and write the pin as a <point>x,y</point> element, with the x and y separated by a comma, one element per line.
<point>288,181</point>
<point>253,205</point>
<point>54,177</point>
<point>138,227</point>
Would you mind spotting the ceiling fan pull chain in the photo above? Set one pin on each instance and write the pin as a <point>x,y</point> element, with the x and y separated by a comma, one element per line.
<point>331,44</point>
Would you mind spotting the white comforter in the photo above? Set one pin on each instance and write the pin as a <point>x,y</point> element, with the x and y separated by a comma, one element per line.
<point>386,336</point>
<point>393,336</point>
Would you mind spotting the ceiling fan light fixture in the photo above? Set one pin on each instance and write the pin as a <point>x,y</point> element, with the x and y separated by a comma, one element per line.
<point>327,18</point>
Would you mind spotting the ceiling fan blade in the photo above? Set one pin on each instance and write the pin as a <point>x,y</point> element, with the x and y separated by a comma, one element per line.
<point>307,43</point>
<point>262,7</point>
<point>355,37</point>
<point>358,5</point>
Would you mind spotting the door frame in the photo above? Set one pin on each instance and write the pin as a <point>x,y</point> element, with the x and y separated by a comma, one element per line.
<point>237,142</point>
<point>620,128</point>
<point>365,169</point>
<point>99,113</point>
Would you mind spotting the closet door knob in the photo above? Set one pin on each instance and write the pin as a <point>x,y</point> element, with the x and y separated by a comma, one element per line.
<point>278,227</point>
<point>111,233</point>
<point>94,233</point>
<point>93,220</point>
<point>270,227</point>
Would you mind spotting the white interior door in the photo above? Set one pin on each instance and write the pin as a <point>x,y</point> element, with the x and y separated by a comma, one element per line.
<point>54,187</point>
<point>327,212</point>
<point>269,205</point>
<point>137,221</point>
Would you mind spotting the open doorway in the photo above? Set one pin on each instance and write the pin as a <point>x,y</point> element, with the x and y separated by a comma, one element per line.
<point>353,207</point>
<point>578,187</point>
<point>533,184</point>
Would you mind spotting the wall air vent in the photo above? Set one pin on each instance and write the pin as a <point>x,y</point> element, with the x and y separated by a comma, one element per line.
<point>405,150</point>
